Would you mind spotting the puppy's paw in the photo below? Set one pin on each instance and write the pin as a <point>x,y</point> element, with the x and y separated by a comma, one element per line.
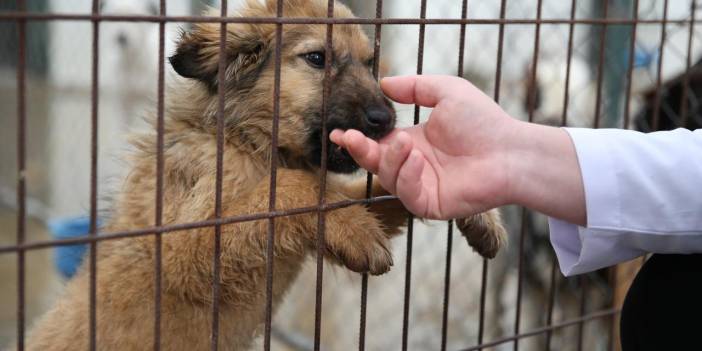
<point>484,232</point>
<point>364,250</point>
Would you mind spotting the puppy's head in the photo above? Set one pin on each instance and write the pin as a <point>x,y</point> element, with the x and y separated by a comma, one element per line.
<point>354,100</point>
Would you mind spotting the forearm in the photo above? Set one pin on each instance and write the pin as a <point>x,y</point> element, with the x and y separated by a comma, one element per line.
<point>544,172</point>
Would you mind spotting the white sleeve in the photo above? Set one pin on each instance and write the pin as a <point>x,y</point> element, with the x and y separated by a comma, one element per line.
<point>643,193</point>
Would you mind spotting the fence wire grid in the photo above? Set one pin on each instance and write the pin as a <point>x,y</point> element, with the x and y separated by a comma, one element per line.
<point>614,63</point>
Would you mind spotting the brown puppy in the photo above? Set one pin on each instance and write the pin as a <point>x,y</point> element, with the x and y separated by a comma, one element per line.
<point>356,236</point>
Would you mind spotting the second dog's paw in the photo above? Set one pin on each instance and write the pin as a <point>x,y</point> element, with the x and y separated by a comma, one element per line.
<point>484,232</point>
<point>361,252</point>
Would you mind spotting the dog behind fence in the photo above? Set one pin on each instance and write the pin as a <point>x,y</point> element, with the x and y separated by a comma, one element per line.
<point>440,295</point>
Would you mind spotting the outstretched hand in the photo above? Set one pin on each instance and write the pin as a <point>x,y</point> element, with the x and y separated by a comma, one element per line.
<point>452,165</point>
<point>470,156</point>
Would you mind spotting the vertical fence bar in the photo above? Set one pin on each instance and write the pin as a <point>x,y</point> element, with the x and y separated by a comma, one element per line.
<point>410,219</point>
<point>270,240</point>
<point>688,63</point>
<point>600,66</point>
<point>564,122</point>
<point>369,180</point>
<point>496,95</point>
<point>159,178</point>
<point>483,294</point>
<point>520,263</point>
<point>21,155</point>
<point>522,235</point>
<point>462,39</point>
<point>321,215</point>
<point>447,285</point>
<point>408,274</point>
<point>216,263</point>
<point>364,305</point>
<point>531,105</point>
<point>598,109</point>
<point>566,93</point>
<point>93,175</point>
<point>630,67</point>
<point>627,99</point>
<point>500,47</point>
<point>583,294</point>
<point>535,63</point>
<point>449,234</point>
<point>551,303</point>
<point>659,76</point>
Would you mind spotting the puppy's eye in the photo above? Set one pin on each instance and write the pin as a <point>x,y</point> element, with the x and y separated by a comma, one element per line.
<point>370,62</point>
<point>315,59</point>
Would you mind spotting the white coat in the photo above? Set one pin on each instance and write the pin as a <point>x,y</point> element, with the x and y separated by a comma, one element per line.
<point>643,194</point>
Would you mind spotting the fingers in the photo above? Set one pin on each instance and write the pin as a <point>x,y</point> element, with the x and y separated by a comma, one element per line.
<point>365,151</point>
<point>409,184</point>
<point>392,159</point>
<point>400,169</point>
<point>337,137</point>
<point>424,90</point>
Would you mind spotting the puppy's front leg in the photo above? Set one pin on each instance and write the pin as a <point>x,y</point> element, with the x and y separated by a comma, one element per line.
<point>353,236</point>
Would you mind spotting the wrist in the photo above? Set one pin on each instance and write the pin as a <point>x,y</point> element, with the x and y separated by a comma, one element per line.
<point>518,156</point>
<point>544,173</point>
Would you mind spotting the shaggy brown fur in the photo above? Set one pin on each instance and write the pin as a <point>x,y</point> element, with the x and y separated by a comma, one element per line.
<point>356,236</point>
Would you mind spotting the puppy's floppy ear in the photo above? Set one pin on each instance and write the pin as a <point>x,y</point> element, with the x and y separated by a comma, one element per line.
<point>197,55</point>
<point>187,60</point>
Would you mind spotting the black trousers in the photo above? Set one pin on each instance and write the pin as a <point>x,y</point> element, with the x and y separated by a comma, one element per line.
<point>663,308</point>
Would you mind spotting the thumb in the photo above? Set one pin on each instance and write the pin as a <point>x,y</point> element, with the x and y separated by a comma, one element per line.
<point>424,90</point>
<point>409,186</point>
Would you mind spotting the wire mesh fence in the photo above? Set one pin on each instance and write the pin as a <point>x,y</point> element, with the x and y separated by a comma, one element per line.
<point>616,63</point>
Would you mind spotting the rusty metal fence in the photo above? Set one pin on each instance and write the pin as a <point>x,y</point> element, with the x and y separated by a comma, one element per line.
<point>22,17</point>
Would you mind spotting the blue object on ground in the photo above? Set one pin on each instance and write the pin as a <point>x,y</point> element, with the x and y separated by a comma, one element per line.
<point>645,58</point>
<point>68,258</point>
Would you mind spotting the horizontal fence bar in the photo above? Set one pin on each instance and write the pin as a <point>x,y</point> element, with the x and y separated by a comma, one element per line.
<point>13,16</point>
<point>545,329</point>
<point>192,225</point>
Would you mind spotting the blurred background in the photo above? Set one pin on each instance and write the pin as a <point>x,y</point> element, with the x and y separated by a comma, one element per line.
<point>58,156</point>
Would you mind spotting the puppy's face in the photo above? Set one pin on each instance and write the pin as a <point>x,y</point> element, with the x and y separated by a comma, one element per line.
<point>354,100</point>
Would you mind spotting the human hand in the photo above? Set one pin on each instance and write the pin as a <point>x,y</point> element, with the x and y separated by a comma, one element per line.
<point>470,156</point>
<point>451,166</point>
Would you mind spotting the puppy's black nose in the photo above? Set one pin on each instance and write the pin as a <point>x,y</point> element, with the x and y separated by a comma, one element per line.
<point>378,117</point>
